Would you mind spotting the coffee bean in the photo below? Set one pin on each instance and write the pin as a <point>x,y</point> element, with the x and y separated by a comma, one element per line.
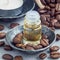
<point>53,1</point>
<point>42,11</point>
<point>18,38</point>
<point>1,27</point>
<point>58,7</point>
<point>2,35</point>
<point>7,57</point>
<point>7,48</point>
<point>57,25</point>
<point>44,42</point>
<point>58,17</point>
<point>2,43</point>
<point>52,12</point>
<point>47,7</point>
<point>38,47</point>
<point>52,5</point>
<point>42,55</point>
<point>57,37</point>
<point>58,1</point>
<point>53,21</point>
<point>21,46</point>
<point>44,36</point>
<point>57,12</point>
<point>55,55</point>
<point>12,25</point>
<point>29,47</point>
<point>54,48</point>
<point>44,2</point>
<point>47,1</point>
<point>18,58</point>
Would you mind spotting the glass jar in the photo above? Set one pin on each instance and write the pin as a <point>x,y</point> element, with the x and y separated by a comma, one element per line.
<point>32,28</point>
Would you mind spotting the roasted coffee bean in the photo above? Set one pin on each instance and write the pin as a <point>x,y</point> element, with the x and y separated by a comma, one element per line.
<point>52,5</point>
<point>53,21</point>
<point>47,1</point>
<point>21,46</point>
<point>42,55</point>
<point>52,12</point>
<point>2,35</point>
<point>7,57</point>
<point>18,58</point>
<point>7,48</point>
<point>1,27</point>
<point>18,38</point>
<point>44,42</point>
<point>44,36</point>
<point>44,2</point>
<point>55,55</point>
<point>57,12</point>
<point>38,47</point>
<point>58,1</point>
<point>2,43</point>
<point>43,18</point>
<point>29,47</point>
<point>54,48</point>
<point>58,17</point>
<point>58,7</point>
<point>53,1</point>
<point>57,25</point>
<point>57,37</point>
<point>12,25</point>
<point>47,7</point>
<point>42,11</point>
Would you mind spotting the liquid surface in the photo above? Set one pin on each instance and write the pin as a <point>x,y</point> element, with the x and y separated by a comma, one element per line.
<point>10,4</point>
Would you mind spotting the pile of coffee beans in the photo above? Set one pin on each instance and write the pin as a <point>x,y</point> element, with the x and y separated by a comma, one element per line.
<point>50,13</point>
<point>12,25</point>
<point>17,41</point>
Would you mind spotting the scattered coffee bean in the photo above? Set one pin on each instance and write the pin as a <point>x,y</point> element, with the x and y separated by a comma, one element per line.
<point>44,42</point>
<point>18,58</point>
<point>7,57</point>
<point>42,55</point>
<point>57,37</point>
<point>12,25</point>
<point>1,27</point>
<point>2,43</point>
<point>18,38</point>
<point>7,48</point>
<point>54,48</point>
<point>2,35</point>
<point>55,55</point>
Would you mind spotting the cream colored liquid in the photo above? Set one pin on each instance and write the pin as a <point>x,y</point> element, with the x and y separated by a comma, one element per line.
<point>10,4</point>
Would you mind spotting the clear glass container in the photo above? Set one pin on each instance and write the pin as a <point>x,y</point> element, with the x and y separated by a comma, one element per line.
<point>32,28</point>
